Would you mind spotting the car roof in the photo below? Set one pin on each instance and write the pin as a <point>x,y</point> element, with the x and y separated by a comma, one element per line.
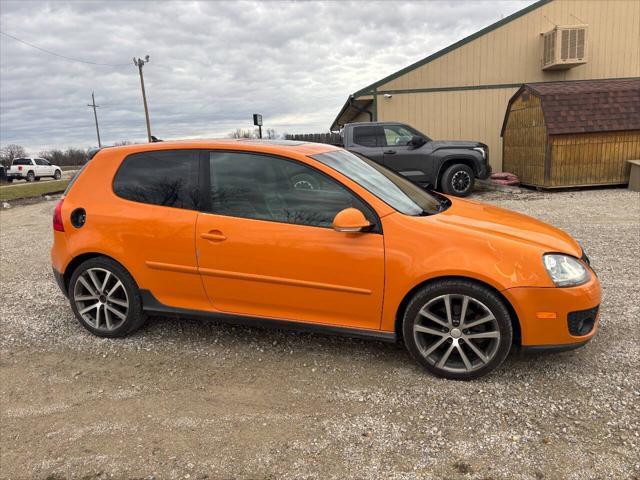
<point>255,145</point>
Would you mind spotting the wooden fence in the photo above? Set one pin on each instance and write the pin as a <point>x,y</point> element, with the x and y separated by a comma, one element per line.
<point>330,138</point>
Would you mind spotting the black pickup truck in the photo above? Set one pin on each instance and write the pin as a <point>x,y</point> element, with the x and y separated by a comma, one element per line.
<point>446,165</point>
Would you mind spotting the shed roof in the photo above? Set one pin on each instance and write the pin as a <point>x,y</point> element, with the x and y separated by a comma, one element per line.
<point>586,106</point>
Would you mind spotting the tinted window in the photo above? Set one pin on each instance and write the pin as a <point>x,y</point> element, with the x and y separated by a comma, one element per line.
<point>270,188</point>
<point>167,178</point>
<point>22,161</point>
<point>391,188</point>
<point>40,161</point>
<point>366,136</point>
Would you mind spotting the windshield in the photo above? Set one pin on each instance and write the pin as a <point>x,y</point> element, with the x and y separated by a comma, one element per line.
<point>391,188</point>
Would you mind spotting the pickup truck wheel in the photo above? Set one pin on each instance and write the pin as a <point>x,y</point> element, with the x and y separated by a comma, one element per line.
<point>9,180</point>
<point>37,179</point>
<point>458,180</point>
<point>105,298</point>
<point>57,175</point>
<point>31,177</point>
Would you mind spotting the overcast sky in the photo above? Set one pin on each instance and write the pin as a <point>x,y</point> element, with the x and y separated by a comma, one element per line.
<point>212,65</point>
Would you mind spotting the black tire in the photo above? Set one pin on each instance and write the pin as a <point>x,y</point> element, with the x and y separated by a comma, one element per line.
<point>454,340</point>
<point>458,180</point>
<point>9,180</point>
<point>31,177</point>
<point>135,316</point>
<point>57,175</point>
<point>37,179</point>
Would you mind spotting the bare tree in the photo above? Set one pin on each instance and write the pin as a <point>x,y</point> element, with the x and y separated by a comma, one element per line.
<point>271,134</point>
<point>10,152</point>
<point>240,133</point>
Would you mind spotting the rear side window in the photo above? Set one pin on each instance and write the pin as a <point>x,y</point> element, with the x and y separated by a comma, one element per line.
<point>166,178</point>
<point>22,161</point>
<point>367,136</point>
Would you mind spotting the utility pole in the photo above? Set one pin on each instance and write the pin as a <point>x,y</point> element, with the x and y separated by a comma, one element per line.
<point>95,115</point>
<point>138,62</point>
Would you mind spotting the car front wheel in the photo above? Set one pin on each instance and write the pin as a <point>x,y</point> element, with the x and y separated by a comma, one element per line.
<point>105,298</point>
<point>57,175</point>
<point>457,329</point>
<point>458,180</point>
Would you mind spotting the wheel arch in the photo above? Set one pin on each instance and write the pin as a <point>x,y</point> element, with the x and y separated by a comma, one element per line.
<point>515,321</point>
<point>448,161</point>
<point>83,257</point>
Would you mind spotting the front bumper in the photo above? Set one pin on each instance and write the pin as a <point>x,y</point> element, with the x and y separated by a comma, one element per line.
<point>484,171</point>
<point>544,314</point>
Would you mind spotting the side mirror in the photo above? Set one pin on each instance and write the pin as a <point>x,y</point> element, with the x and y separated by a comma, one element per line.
<point>417,141</point>
<point>350,220</point>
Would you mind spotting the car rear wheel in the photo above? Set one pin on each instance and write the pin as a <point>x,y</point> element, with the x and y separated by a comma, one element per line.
<point>105,298</point>
<point>31,177</point>
<point>458,180</point>
<point>57,175</point>
<point>457,329</point>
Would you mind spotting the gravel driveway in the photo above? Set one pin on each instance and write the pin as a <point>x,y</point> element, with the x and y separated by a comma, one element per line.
<point>188,399</point>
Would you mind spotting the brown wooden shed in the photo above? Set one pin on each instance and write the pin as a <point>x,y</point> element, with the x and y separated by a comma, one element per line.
<point>569,134</point>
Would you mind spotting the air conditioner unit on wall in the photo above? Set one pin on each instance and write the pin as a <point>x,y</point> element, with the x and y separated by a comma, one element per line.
<point>564,47</point>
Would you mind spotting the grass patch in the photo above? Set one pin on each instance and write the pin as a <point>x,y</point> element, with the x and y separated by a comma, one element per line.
<point>32,189</point>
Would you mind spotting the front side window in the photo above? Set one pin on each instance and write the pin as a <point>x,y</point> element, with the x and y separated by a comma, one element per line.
<point>396,191</point>
<point>168,178</point>
<point>40,161</point>
<point>264,187</point>
<point>397,135</point>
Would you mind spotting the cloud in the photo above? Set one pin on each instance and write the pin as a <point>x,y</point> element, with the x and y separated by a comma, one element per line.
<point>212,65</point>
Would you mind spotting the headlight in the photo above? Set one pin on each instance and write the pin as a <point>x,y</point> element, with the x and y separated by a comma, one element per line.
<point>482,152</point>
<point>564,270</point>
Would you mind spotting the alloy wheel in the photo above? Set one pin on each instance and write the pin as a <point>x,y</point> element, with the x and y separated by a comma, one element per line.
<point>456,333</point>
<point>460,181</point>
<point>101,299</point>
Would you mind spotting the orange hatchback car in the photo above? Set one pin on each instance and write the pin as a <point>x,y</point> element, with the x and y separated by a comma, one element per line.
<point>314,237</point>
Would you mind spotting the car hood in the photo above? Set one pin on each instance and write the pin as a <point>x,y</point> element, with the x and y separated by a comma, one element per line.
<point>489,220</point>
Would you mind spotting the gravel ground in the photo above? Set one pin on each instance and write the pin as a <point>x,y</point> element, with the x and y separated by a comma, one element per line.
<point>188,399</point>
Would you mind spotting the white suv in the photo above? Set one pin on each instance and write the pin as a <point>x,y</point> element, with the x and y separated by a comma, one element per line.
<point>31,169</point>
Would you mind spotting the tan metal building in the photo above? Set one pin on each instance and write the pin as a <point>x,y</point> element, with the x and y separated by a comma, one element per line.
<point>462,91</point>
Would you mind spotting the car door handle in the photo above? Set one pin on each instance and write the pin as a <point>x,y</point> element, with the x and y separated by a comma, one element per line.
<point>213,236</point>
<point>389,152</point>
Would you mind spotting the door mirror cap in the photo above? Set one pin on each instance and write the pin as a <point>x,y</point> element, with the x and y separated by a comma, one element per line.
<point>350,220</point>
<point>417,141</point>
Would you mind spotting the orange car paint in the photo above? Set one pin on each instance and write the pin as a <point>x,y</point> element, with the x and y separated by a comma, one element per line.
<point>208,262</point>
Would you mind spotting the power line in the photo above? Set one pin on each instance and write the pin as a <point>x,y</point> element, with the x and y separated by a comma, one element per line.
<point>63,56</point>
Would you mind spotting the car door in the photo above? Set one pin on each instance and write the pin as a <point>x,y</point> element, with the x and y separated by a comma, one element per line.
<point>368,140</point>
<point>154,224</point>
<point>48,168</point>
<point>404,158</point>
<point>40,168</point>
<point>266,247</point>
